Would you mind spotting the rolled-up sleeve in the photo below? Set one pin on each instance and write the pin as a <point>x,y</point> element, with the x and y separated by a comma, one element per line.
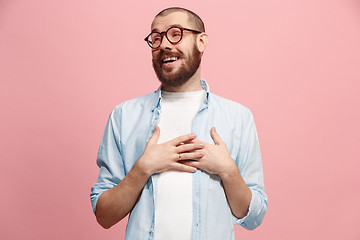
<point>109,158</point>
<point>250,166</point>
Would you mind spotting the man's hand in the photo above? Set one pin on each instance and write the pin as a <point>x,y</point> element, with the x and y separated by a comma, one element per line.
<point>163,157</point>
<point>216,159</point>
<point>114,204</point>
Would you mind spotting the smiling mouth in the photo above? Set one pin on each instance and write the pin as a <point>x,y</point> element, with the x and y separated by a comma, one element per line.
<point>170,59</point>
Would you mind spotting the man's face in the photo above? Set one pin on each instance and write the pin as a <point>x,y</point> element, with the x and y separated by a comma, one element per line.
<point>188,58</point>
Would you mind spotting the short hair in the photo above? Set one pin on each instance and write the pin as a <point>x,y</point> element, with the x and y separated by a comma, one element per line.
<point>193,17</point>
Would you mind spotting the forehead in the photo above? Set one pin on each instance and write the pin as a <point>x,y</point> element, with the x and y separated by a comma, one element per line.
<point>162,23</point>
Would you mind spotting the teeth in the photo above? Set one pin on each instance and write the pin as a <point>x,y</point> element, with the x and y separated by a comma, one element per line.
<point>170,59</point>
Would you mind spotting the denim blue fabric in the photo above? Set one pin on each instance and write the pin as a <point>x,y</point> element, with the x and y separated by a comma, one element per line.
<point>131,125</point>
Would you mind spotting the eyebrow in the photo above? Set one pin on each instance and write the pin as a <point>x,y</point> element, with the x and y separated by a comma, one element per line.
<point>173,25</point>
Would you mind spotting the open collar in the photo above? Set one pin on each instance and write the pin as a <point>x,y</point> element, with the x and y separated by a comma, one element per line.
<point>157,99</point>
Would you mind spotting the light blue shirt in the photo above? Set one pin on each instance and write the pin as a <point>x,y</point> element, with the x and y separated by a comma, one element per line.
<point>131,125</point>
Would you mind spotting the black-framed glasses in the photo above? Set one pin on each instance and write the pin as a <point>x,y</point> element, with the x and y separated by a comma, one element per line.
<point>173,34</point>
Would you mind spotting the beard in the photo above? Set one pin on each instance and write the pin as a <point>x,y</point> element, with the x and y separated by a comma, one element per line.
<point>185,71</point>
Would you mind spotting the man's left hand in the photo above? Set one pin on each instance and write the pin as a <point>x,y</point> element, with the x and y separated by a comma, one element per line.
<point>216,159</point>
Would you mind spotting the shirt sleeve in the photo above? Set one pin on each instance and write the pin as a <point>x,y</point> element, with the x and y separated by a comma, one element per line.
<point>109,158</point>
<point>250,166</point>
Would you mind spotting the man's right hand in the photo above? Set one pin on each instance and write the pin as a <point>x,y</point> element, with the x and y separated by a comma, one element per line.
<point>115,203</point>
<point>168,156</point>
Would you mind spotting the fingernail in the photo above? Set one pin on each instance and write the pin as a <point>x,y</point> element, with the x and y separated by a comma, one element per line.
<point>193,135</point>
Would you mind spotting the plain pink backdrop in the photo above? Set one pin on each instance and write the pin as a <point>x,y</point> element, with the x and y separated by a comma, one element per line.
<point>65,64</point>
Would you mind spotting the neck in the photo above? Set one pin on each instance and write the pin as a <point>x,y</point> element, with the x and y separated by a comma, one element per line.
<point>193,84</point>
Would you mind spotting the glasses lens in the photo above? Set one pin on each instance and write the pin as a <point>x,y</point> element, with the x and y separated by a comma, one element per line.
<point>174,34</point>
<point>154,40</point>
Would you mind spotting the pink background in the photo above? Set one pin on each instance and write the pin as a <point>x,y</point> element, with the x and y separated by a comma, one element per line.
<point>65,64</point>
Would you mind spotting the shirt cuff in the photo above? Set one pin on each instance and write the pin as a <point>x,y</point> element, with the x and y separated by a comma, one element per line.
<point>255,214</point>
<point>96,191</point>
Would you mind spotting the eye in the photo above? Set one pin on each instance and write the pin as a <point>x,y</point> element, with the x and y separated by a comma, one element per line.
<point>155,37</point>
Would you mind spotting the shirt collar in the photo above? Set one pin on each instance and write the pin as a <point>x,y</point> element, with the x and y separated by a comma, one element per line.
<point>157,98</point>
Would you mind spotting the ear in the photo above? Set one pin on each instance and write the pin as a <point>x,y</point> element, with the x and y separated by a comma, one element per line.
<point>202,41</point>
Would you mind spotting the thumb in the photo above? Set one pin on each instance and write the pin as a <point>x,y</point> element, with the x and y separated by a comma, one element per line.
<point>155,137</point>
<point>215,136</point>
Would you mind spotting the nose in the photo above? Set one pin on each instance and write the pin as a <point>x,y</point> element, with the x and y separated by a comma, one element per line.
<point>165,44</point>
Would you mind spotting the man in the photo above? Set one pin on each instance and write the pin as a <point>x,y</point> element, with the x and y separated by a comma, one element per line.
<point>185,163</point>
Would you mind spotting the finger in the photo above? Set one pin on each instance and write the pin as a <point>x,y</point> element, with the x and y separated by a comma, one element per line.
<point>182,139</point>
<point>183,168</point>
<point>215,136</point>
<point>191,160</point>
<point>191,156</point>
<point>188,147</point>
<point>155,137</point>
<point>196,141</point>
<point>195,164</point>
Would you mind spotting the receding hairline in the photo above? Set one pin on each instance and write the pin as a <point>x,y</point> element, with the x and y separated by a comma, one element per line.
<point>193,18</point>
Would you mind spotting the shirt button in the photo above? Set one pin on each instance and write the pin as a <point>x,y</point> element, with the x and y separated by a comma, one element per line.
<point>151,230</point>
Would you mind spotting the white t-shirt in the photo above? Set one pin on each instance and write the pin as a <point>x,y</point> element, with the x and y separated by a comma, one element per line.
<point>173,203</point>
